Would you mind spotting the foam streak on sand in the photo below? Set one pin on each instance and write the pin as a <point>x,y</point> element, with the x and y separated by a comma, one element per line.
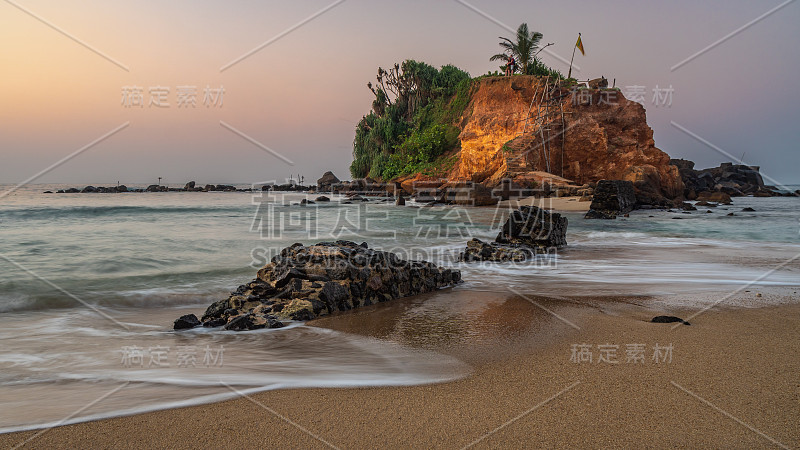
<point>735,359</point>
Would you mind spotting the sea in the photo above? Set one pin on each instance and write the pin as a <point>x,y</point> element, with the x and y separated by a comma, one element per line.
<point>90,285</point>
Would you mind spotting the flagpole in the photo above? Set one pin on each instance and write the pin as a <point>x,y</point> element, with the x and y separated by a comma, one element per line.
<point>569,75</point>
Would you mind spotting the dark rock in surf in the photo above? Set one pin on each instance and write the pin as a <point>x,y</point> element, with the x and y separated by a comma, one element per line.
<point>251,321</point>
<point>306,282</point>
<point>534,227</point>
<point>186,322</point>
<point>528,231</point>
<point>478,250</point>
<point>612,198</point>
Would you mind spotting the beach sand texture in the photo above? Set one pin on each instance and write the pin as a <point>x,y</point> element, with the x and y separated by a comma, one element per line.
<point>733,381</point>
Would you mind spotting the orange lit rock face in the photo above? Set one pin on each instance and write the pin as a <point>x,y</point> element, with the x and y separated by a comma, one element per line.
<point>496,115</point>
<point>607,139</point>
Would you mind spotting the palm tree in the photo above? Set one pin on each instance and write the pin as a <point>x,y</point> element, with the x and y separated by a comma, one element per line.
<point>523,49</point>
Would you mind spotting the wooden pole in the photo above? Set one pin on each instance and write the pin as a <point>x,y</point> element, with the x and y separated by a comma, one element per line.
<point>569,75</point>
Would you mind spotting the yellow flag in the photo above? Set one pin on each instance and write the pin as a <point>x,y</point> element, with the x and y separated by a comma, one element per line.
<point>579,44</point>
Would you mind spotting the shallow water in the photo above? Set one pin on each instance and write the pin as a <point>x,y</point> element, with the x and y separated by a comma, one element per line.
<point>87,279</point>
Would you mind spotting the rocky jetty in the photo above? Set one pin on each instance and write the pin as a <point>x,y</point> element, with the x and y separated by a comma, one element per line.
<point>612,198</point>
<point>528,231</point>
<point>305,282</point>
<point>465,193</point>
<point>287,187</point>
<point>188,187</point>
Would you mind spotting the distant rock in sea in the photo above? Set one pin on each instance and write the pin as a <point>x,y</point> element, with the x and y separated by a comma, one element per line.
<point>734,180</point>
<point>326,181</point>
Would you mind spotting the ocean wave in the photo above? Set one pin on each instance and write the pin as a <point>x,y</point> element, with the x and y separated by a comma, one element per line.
<point>159,289</point>
<point>50,213</point>
<point>298,356</point>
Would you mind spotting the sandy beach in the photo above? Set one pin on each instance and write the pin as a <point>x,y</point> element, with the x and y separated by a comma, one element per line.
<point>549,203</point>
<point>731,380</point>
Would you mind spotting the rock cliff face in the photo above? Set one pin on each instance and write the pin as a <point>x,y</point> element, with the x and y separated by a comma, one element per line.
<point>606,137</point>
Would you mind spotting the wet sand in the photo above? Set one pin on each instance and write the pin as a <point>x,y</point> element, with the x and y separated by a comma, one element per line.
<point>733,381</point>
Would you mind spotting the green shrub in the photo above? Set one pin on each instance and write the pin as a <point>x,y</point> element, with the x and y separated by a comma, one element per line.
<point>409,134</point>
<point>541,69</point>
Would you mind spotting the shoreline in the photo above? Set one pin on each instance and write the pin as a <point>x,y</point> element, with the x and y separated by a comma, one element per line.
<point>557,204</point>
<point>738,359</point>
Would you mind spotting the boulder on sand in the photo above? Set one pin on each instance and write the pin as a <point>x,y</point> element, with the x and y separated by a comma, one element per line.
<point>305,282</point>
<point>668,319</point>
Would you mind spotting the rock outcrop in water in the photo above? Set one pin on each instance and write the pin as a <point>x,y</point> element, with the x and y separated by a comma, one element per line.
<point>327,180</point>
<point>528,231</point>
<point>612,198</point>
<point>305,282</point>
<point>733,180</point>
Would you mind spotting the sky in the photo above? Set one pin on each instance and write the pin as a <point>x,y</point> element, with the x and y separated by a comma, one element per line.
<point>297,87</point>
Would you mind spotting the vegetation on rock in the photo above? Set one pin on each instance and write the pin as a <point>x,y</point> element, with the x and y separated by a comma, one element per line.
<point>413,119</point>
<point>524,49</point>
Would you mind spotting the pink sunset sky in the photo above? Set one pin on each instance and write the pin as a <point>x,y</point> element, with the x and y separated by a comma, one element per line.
<point>303,93</point>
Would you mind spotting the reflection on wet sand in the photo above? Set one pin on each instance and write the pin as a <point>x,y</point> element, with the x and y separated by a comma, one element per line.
<point>474,326</point>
